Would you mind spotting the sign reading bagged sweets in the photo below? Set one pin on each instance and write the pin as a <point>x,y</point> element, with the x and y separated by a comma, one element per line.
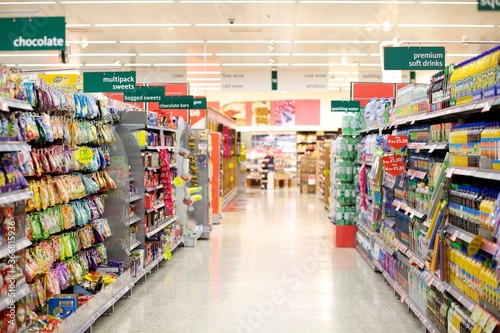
<point>145,94</point>
<point>413,58</point>
<point>393,165</point>
<point>397,141</point>
<point>33,33</point>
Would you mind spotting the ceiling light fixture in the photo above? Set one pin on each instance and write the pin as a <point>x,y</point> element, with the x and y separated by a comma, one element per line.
<point>138,65</point>
<point>103,54</point>
<point>323,65</point>
<point>50,65</point>
<point>200,84</point>
<point>227,41</point>
<point>28,3</point>
<point>175,54</point>
<point>6,55</point>
<point>462,54</point>
<point>270,47</point>
<point>185,65</point>
<point>329,54</point>
<point>203,72</point>
<point>104,65</point>
<point>203,79</point>
<point>336,42</point>
<point>69,42</point>
<point>143,25</point>
<point>343,25</point>
<point>448,2</point>
<point>249,54</point>
<point>367,2</point>
<point>244,25</point>
<point>78,2</point>
<point>370,65</point>
<point>417,25</point>
<point>68,25</point>
<point>254,64</point>
<point>161,42</point>
<point>236,1</point>
<point>442,42</point>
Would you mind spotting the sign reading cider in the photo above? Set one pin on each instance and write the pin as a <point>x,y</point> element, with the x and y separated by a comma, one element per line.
<point>32,33</point>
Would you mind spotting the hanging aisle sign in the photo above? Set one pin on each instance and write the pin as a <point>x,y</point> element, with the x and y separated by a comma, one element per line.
<point>94,82</point>
<point>199,103</point>
<point>32,33</point>
<point>413,58</point>
<point>177,102</point>
<point>145,94</point>
<point>488,5</point>
<point>345,106</point>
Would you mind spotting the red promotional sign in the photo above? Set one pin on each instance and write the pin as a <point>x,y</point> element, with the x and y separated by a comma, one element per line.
<point>397,141</point>
<point>393,165</point>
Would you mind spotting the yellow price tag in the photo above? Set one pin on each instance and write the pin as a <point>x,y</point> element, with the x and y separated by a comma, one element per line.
<point>168,254</point>
<point>475,245</point>
<point>84,155</point>
<point>178,181</point>
<point>232,178</point>
<point>326,173</point>
<point>231,165</point>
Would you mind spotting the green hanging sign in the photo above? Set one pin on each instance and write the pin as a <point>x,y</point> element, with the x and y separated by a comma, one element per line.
<point>177,102</point>
<point>200,103</point>
<point>94,82</point>
<point>345,106</point>
<point>145,94</point>
<point>488,5</point>
<point>414,58</point>
<point>32,33</point>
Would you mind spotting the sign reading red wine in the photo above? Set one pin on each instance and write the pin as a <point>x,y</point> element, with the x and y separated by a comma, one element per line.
<point>393,165</point>
<point>397,141</point>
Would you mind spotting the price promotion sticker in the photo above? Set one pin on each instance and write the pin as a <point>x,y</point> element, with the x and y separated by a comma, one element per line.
<point>84,155</point>
<point>475,245</point>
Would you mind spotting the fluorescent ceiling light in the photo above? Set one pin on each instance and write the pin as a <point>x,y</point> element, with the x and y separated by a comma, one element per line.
<point>137,65</point>
<point>374,54</point>
<point>28,55</point>
<point>174,54</point>
<point>77,25</point>
<point>28,3</point>
<point>236,1</point>
<point>322,65</point>
<point>336,42</point>
<point>342,72</point>
<point>330,54</point>
<point>244,24</point>
<point>370,65</point>
<point>204,84</point>
<point>203,79</point>
<point>416,25</point>
<point>389,2</point>
<point>448,2</point>
<point>10,65</point>
<point>140,2</point>
<point>201,72</point>
<point>103,54</point>
<point>91,42</point>
<point>253,64</point>
<point>227,41</point>
<point>143,25</point>
<point>161,42</point>
<point>462,54</point>
<point>50,65</point>
<point>103,65</point>
<point>355,25</point>
<point>185,65</point>
<point>252,54</point>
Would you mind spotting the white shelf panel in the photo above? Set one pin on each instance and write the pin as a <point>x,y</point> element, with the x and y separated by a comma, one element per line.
<point>14,196</point>
<point>155,208</point>
<point>456,232</point>
<point>21,291</point>
<point>168,221</point>
<point>133,219</point>
<point>135,197</point>
<point>153,188</point>
<point>8,104</point>
<point>134,245</point>
<point>10,146</point>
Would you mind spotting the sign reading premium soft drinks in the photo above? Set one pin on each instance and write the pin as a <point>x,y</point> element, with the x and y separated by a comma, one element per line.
<point>397,141</point>
<point>393,165</point>
<point>32,33</point>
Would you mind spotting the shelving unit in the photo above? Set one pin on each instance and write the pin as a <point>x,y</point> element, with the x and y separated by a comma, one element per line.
<point>401,250</point>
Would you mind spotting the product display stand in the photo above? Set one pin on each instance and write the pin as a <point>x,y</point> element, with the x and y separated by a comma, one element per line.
<point>215,184</point>
<point>422,239</point>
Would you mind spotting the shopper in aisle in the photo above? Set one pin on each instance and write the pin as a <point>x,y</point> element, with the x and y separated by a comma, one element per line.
<point>269,267</point>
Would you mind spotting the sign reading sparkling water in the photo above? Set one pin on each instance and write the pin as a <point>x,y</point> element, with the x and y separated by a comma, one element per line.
<point>345,106</point>
<point>32,33</point>
<point>488,5</point>
<point>108,81</point>
<point>393,165</point>
<point>413,58</point>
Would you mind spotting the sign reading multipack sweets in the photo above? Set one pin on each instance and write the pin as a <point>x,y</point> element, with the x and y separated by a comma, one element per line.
<point>344,106</point>
<point>145,94</point>
<point>488,5</point>
<point>177,102</point>
<point>414,58</point>
<point>32,33</point>
<point>109,82</point>
<point>393,165</point>
<point>397,141</point>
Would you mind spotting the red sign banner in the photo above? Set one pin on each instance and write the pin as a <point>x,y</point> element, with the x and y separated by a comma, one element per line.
<point>397,141</point>
<point>393,165</point>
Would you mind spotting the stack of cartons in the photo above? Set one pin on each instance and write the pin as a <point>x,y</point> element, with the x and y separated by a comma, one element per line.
<point>308,175</point>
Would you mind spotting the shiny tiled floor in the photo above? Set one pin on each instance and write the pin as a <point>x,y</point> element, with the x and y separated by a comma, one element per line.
<point>270,267</point>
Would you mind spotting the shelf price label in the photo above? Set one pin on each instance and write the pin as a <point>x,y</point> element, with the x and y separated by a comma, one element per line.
<point>393,165</point>
<point>475,245</point>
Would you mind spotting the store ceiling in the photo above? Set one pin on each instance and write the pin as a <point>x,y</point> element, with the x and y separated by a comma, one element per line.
<point>198,36</point>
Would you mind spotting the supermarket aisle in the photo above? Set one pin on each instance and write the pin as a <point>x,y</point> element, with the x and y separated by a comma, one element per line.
<point>270,267</point>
